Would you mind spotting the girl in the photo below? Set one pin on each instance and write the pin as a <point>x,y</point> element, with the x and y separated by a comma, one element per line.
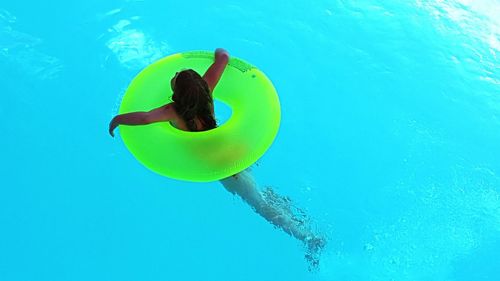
<point>192,109</point>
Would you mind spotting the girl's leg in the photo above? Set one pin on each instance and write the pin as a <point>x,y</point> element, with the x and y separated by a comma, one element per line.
<point>244,186</point>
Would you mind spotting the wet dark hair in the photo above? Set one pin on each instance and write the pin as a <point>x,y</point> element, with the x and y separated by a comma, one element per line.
<point>192,99</point>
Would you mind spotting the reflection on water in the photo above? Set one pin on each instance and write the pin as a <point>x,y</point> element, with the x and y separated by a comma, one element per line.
<point>19,51</point>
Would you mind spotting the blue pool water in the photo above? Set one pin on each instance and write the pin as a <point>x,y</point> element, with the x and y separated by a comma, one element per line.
<point>389,140</point>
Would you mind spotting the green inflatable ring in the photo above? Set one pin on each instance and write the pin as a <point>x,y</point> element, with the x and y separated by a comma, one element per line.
<point>208,155</point>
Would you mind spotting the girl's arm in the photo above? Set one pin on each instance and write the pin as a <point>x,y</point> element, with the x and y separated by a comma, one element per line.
<point>214,72</point>
<point>162,113</point>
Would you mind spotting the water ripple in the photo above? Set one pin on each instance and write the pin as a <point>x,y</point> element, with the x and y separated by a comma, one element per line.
<point>18,50</point>
<point>132,47</point>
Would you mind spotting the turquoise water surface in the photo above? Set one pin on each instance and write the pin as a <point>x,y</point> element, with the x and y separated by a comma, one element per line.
<point>389,140</point>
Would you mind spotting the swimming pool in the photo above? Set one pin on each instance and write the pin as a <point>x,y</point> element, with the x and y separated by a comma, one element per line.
<point>389,140</point>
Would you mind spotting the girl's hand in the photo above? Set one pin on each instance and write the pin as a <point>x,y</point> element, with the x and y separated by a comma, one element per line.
<point>112,125</point>
<point>221,53</point>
